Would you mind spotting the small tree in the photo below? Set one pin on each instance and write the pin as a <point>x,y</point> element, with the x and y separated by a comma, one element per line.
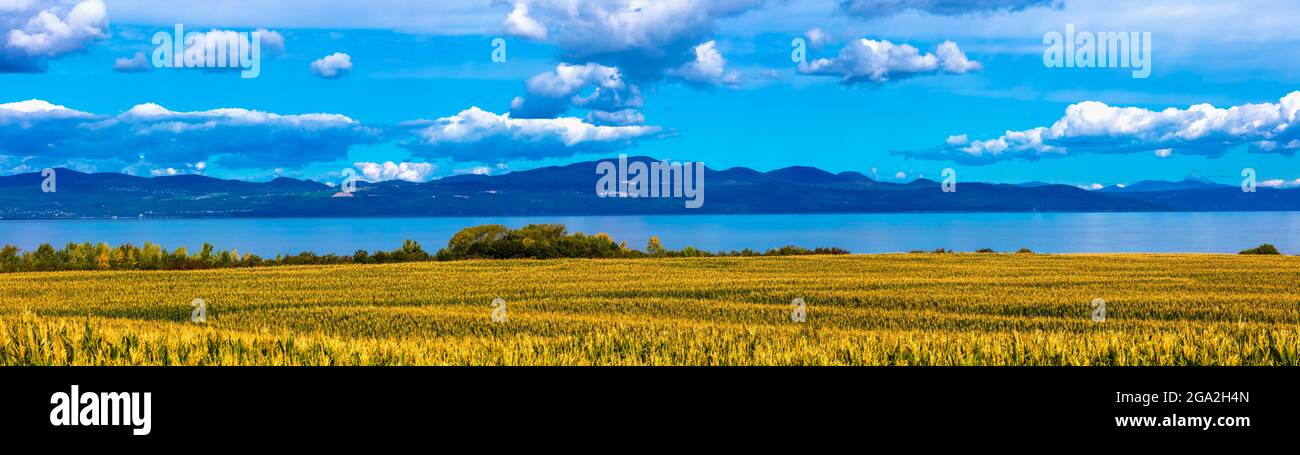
<point>205,254</point>
<point>654,248</point>
<point>102,259</point>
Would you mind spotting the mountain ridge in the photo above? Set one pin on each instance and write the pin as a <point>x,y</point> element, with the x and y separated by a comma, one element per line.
<point>570,190</point>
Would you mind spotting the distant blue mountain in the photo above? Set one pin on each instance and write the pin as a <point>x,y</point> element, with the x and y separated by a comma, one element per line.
<point>1156,185</point>
<point>571,190</point>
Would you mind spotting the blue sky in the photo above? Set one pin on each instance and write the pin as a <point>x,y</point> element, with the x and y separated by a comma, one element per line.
<point>888,88</point>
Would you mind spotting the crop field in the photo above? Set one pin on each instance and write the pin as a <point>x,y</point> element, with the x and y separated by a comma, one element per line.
<point>895,309</point>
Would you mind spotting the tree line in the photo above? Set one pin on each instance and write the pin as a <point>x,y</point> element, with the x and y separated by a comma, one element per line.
<point>535,241</point>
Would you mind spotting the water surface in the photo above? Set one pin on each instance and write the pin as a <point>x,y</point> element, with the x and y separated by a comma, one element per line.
<point>1219,232</point>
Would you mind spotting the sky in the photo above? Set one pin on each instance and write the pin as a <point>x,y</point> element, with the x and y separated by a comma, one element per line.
<point>895,89</point>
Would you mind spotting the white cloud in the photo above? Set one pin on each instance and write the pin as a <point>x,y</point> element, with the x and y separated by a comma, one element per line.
<point>272,41</point>
<point>476,170</point>
<point>411,172</point>
<point>953,59</point>
<point>708,69</point>
<point>136,64</point>
<point>817,38</point>
<point>519,24</point>
<point>332,66</point>
<point>642,38</point>
<point>35,110</point>
<point>878,8</point>
<point>623,117</point>
<point>482,136</point>
<point>1280,183</point>
<point>900,175</point>
<point>1192,33</point>
<point>878,62</point>
<point>152,134</point>
<point>552,93</point>
<point>33,31</point>
<point>1094,127</point>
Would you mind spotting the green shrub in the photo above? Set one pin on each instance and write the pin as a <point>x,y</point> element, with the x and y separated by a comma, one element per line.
<point>1266,248</point>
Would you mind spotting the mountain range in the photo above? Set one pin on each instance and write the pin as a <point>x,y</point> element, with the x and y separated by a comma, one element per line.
<point>571,190</point>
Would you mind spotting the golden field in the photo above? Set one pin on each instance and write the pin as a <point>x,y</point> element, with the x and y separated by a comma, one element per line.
<point>895,309</point>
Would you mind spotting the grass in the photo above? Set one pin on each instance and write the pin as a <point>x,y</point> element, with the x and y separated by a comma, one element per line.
<point>898,309</point>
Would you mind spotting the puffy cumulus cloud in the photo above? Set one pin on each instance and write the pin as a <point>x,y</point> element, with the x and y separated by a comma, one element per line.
<point>1094,127</point>
<point>707,70</point>
<point>878,62</point>
<point>149,133</point>
<point>953,60</point>
<point>272,41</point>
<point>643,38</point>
<point>136,64</point>
<point>388,170</point>
<point>33,31</point>
<point>518,23</point>
<point>29,128</point>
<point>589,86</point>
<point>475,135</point>
<point>332,66</point>
<point>868,9</point>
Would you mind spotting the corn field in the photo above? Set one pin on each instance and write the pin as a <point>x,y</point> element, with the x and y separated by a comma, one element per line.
<point>895,309</point>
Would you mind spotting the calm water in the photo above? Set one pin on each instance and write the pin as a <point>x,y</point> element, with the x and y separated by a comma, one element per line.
<point>866,233</point>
